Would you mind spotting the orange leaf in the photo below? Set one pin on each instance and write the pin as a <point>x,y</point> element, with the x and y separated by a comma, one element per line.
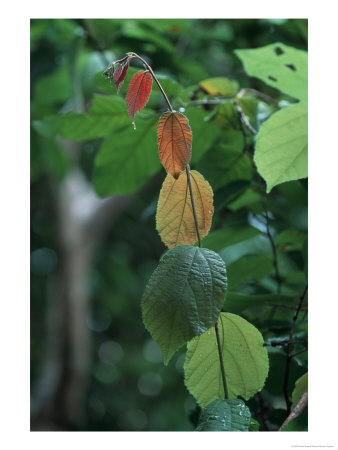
<point>174,142</point>
<point>174,217</point>
<point>138,92</point>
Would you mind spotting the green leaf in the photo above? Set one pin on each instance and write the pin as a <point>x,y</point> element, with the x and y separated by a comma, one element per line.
<point>248,198</point>
<point>54,87</point>
<point>169,85</point>
<point>226,162</point>
<point>217,240</point>
<point>127,159</point>
<point>290,240</point>
<point>220,86</point>
<point>226,116</point>
<point>204,133</point>
<point>301,388</point>
<point>281,147</point>
<point>141,32</point>
<point>249,267</point>
<point>183,297</point>
<point>254,425</point>
<point>245,361</point>
<point>225,415</point>
<point>280,66</point>
<point>236,302</point>
<point>106,115</point>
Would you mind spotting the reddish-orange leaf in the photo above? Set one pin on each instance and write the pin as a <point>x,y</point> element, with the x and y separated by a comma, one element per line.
<point>174,142</point>
<point>174,216</point>
<point>138,92</point>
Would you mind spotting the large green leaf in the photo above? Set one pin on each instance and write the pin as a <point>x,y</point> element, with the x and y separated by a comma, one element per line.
<point>290,240</point>
<point>249,267</point>
<point>127,159</point>
<point>225,415</point>
<point>228,236</point>
<point>106,115</point>
<point>301,388</point>
<point>226,162</point>
<point>183,297</point>
<point>280,66</point>
<point>236,302</point>
<point>281,147</point>
<point>54,87</point>
<point>245,361</point>
<point>204,133</point>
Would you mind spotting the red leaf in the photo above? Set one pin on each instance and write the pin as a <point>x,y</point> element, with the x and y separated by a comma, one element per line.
<point>138,92</point>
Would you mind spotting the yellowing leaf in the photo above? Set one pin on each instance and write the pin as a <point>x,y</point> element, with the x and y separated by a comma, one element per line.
<point>174,142</point>
<point>174,216</point>
<point>220,86</point>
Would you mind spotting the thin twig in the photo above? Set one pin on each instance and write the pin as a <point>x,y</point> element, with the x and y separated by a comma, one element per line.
<point>274,249</point>
<point>289,356</point>
<point>243,117</point>
<point>264,97</point>
<point>204,101</point>
<point>282,342</point>
<point>297,411</point>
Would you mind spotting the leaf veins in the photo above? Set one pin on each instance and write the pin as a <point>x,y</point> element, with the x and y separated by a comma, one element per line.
<point>174,142</point>
<point>138,92</point>
<point>174,216</point>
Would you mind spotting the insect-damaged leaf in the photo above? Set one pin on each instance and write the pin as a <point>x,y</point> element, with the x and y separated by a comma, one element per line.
<point>184,296</point>
<point>138,92</point>
<point>174,216</point>
<point>245,361</point>
<point>174,142</point>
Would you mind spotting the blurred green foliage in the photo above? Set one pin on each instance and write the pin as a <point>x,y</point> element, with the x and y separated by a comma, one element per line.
<point>129,387</point>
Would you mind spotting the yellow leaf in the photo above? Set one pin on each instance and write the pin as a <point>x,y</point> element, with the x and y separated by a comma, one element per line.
<point>174,217</point>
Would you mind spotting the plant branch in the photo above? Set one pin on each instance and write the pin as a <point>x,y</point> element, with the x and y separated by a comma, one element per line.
<point>289,355</point>
<point>274,249</point>
<point>243,117</point>
<point>297,411</point>
<point>264,97</point>
<point>134,55</point>
<point>219,346</point>
<point>282,342</point>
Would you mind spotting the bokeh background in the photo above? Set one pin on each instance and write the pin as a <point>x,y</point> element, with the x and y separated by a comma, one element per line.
<point>93,364</point>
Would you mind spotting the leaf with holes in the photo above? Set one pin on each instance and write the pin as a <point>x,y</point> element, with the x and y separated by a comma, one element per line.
<point>280,66</point>
<point>281,152</point>
<point>184,296</point>
<point>174,216</point>
<point>138,92</point>
<point>245,361</point>
<point>174,142</point>
<point>225,415</point>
